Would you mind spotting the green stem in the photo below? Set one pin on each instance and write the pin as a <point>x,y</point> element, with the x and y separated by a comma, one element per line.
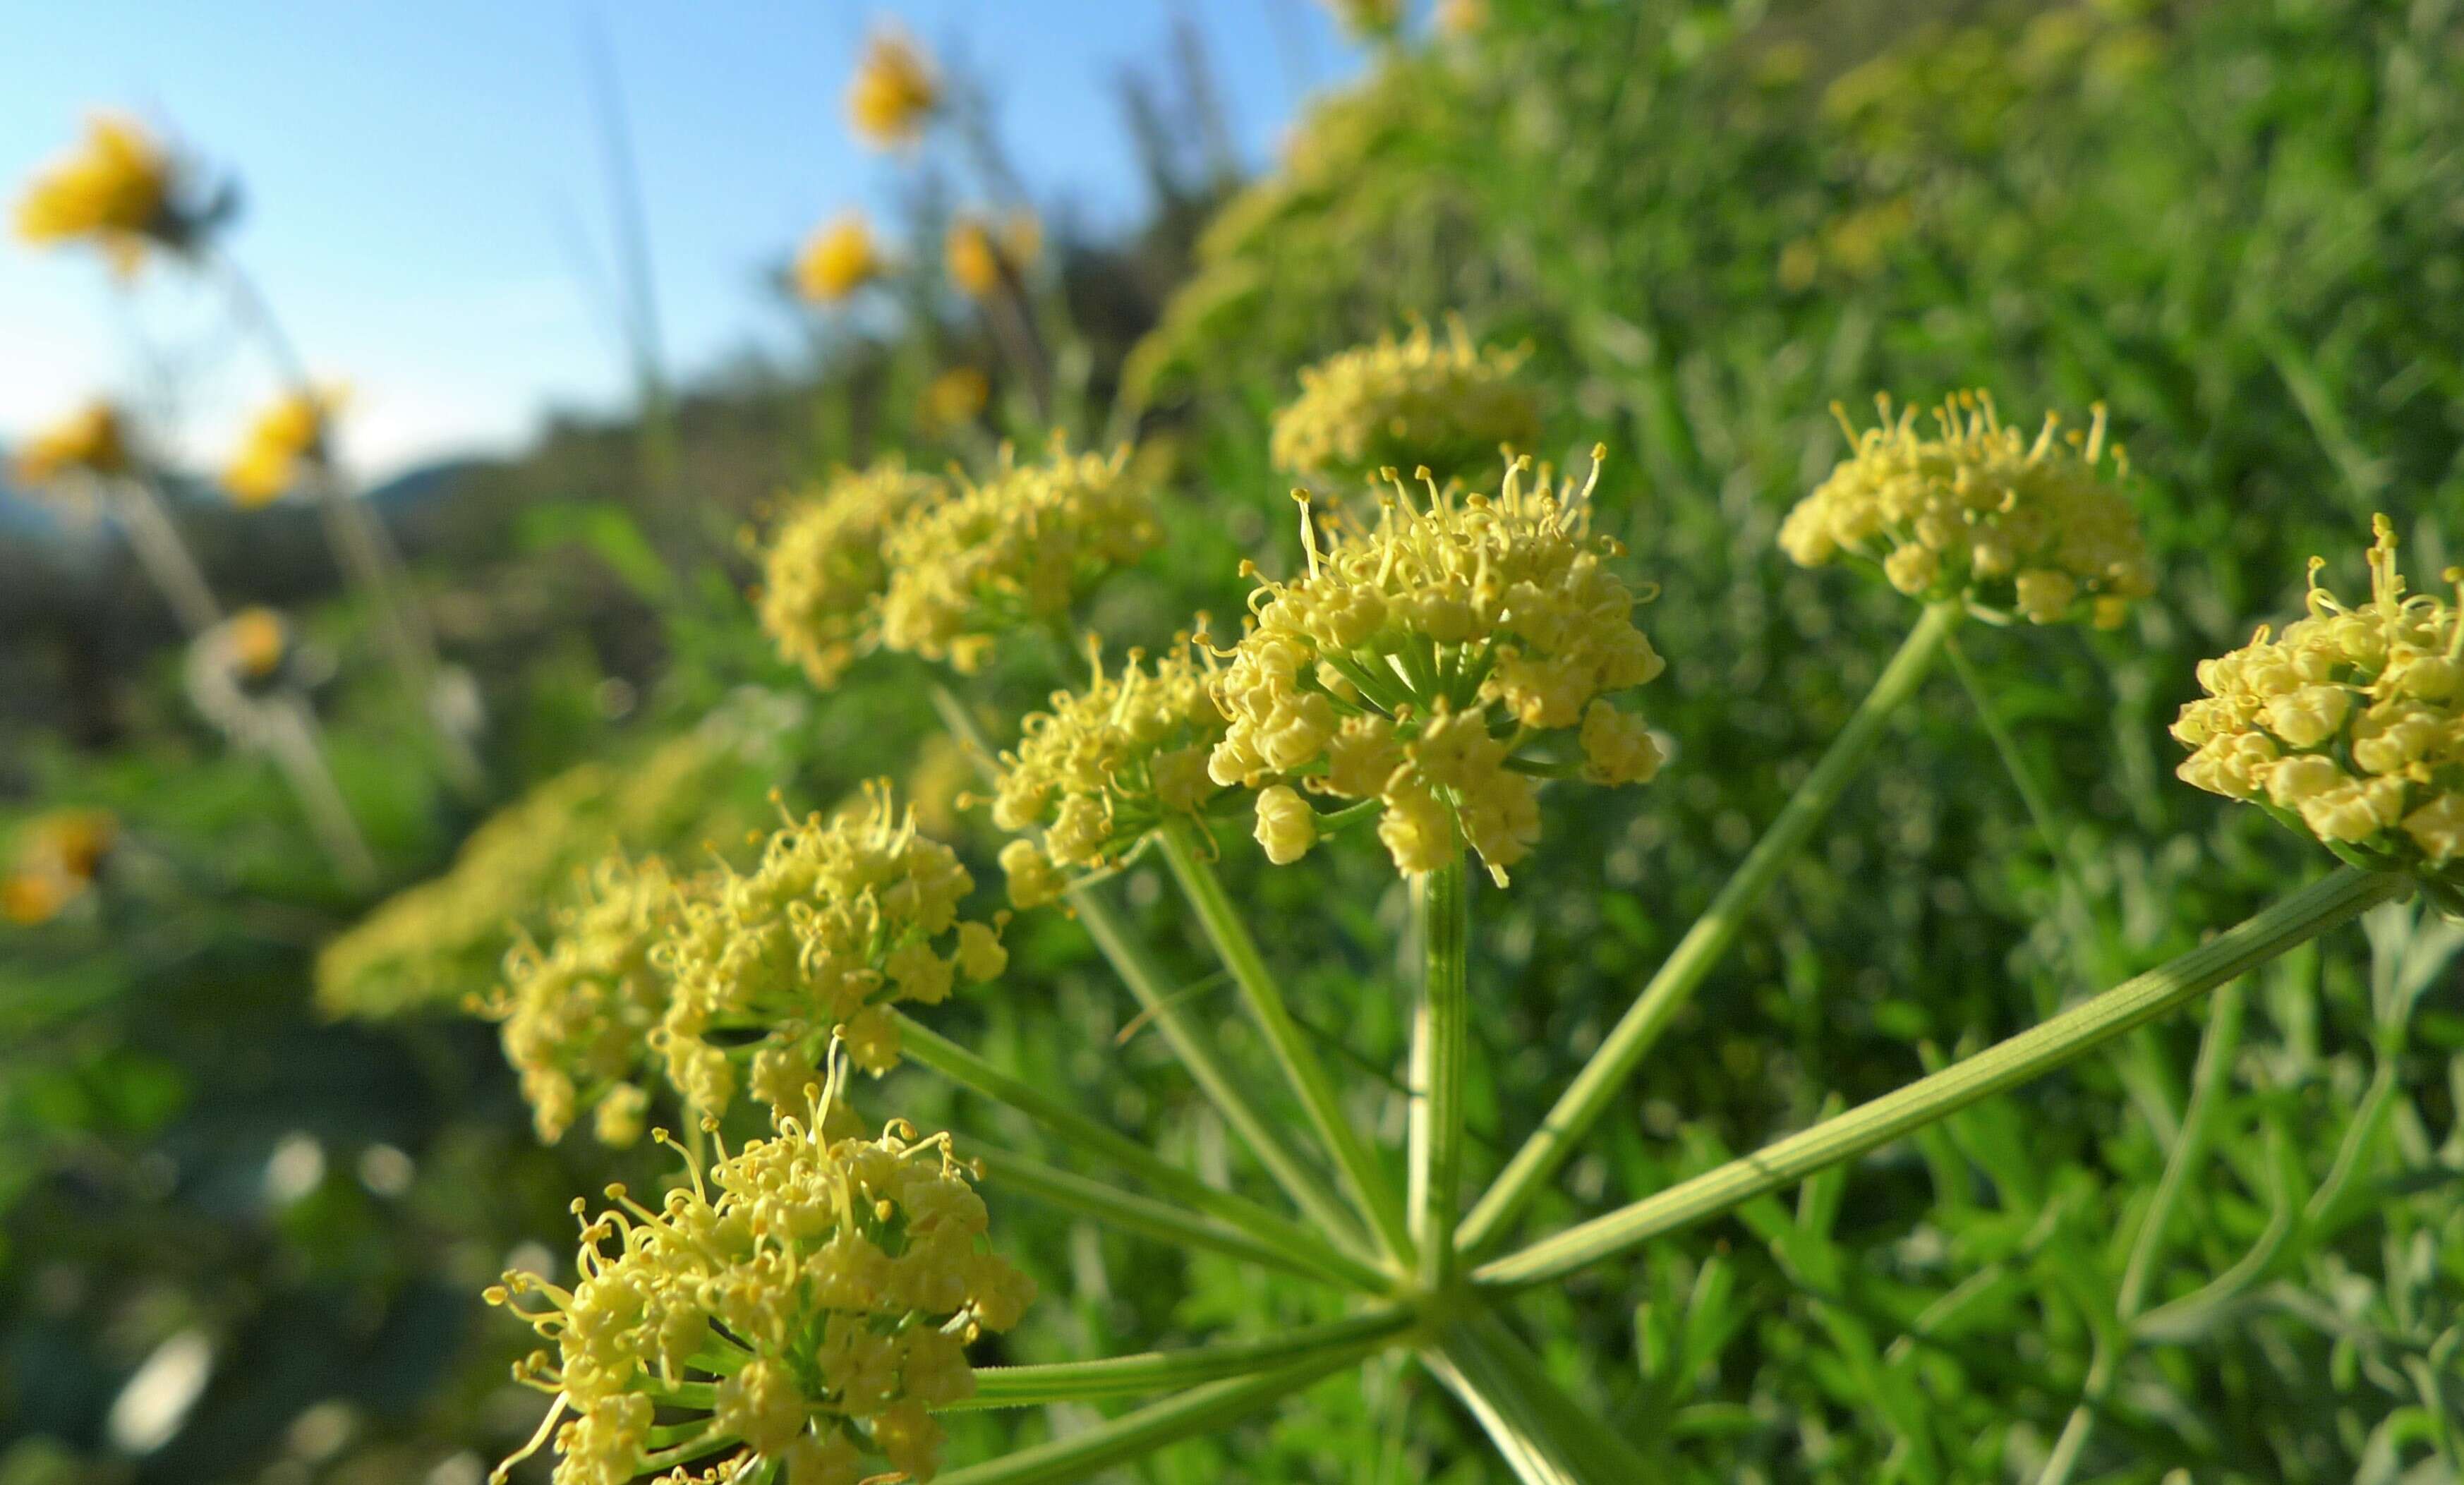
<point>1129,1213</point>
<point>2073,1034</point>
<point>1440,1031</point>
<point>1154,993</point>
<point>1371,1191</point>
<point>1155,1371</point>
<point>1103,1143</point>
<point>1610,1456</point>
<point>1589,1096</point>
<point>1199,1410</point>
<point>1543,1435</point>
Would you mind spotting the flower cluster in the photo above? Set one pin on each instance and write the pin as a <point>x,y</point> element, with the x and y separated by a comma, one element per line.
<point>839,258</point>
<point>1106,766</point>
<point>92,441</point>
<point>985,259</point>
<point>840,919</point>
<point>822,576</point>
<point>121,190</point>
<point>1418,658</point>
<point>578,1016</point>
<point>796,1317</point>
<point>287,439</point>
<point>1016,549</point>
<point>894,93</point>
<point>2350,722</point>
<point>56,858</point>
<point>1451,407</point>
<point>1979,513</point>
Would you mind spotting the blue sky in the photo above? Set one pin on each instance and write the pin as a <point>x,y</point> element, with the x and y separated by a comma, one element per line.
<point>424,193</point>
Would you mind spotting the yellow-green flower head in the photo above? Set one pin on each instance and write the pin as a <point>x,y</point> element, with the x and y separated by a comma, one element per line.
<point>1979,513</point>
<point>841,919</point>
<point>92,441</point>
<point>1450,405</point>
<point>1015,551</point>
<point>823,575</point>
<point>2349,723</point>
<point>1109,763</point>
<point>1419,662</point>
<point>795,1317</point>
<point>120,190</point>
<point>578,1016</point>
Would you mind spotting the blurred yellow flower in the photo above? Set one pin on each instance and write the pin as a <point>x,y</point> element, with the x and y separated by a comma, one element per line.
<point>258,639</point>
<point>1461,18</point>
<point>56,858</point>
<point>91,441</point>
<point>287,438</point>
<point>1403,404</point>
<point>114,190</point>
<point>982,258</point>
<point>895,91</point>
<point>823,574</point>
<point>839,258</point>
<point>955,398</point>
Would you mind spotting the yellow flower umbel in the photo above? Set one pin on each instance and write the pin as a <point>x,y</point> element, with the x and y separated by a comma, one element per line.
<point>841,919</point>
<point>57,856</point>
<point>1450,405</point>
<point>823,574</point>
<point>1420,658</point>
<point>794,1319</point>
<point>118,190</point>
<point>894,91</point>
<point>1107,765</point>
<point>839,258</point>
<point>1980,514</point>
<point>578,1018</point>
<point>983,259</point>
<point>92,442</point>
<point>1017,550</point>
<point>285,442</point>
<point>2350,724</point>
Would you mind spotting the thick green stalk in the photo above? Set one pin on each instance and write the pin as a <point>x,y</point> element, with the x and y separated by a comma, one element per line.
<point>1134,1214</point>
<point>1155,1371</point>
<point>1589,1096</point>
<point>1104,1143</point>
<point>1371,1190</point>
<point>1441,1031</point>
<point>1156,997</point>
<point>1199,1410</point>
<point>1607,1453</point>
<point>2258,939</point>
<point>1536,1429</point>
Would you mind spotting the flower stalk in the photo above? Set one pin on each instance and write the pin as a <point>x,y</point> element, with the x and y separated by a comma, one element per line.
<point>1155,1371</point>
<point>2291,922</point>
<point>1441,1033</point>
<point>1589,1096</point>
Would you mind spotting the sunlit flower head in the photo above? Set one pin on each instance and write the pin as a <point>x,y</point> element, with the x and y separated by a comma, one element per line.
<point>822,573</point>
<point>1977,513</point>
<point>119,189</point>
<point>1438,662</point>
<point>288,439</point>
<point>1017,550</point>
<point>54,861</point>
<point>841,919</point>
<point>1448,404</point>
<point>954,399</point>
<point>894,91</point>
<point>1109,763</point>
<point>839,258</point>
<point>793,1318</point>
<point>2350,723</point>
<point>983,258</point>
<point>578,1015</point>
<point>92,441</point>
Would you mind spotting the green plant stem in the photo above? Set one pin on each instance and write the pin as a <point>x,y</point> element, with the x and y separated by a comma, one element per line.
<point>2258,939</point>
<point>1154,993</point>
<point>1155,1371</point>
<point>1103,1143</point>
<point>1610,1456</point>
<point>1589,1096</point>
<point>1543,1435</point>
<point>1134,1214</point>
<point>1371,1190</point>
<point>1441,1033</point>
<point>1199,1410</point>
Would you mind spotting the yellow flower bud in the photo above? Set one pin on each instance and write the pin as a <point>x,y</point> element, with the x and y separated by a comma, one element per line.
<point>1287,826</point>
